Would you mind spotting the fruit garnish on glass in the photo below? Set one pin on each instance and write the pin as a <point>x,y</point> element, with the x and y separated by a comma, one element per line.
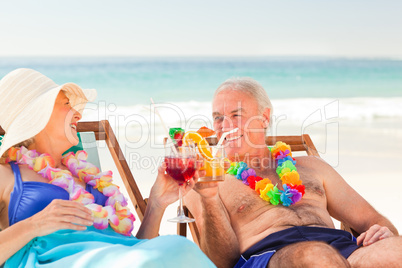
<point>176,134</point>
<point>212,157</point>
<point>205,132</point>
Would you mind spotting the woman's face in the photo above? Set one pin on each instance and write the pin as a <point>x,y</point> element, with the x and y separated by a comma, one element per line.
<point>62,125</point>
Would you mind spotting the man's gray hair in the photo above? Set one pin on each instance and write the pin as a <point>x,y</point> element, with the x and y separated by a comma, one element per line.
<point>250,86</point>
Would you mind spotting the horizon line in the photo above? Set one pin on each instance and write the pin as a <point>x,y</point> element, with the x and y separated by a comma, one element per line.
<point>206,56</point>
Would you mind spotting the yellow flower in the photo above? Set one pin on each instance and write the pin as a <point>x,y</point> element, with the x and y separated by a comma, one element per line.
<point>291,178</point>
<point>264,192</point>
<point>260,185</point>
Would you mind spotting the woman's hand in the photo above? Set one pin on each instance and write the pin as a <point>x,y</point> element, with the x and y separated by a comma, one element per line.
<point>61,214</point>
<point>165,190</point>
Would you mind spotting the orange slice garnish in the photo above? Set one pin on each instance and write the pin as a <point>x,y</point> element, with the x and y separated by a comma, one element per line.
<point>191,135</point>
<point>205,150</point>
<point>205,132</point>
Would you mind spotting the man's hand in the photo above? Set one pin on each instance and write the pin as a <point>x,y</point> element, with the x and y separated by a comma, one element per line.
<point>207,189</point>
<point>373,234</point>
<point>204,189</point>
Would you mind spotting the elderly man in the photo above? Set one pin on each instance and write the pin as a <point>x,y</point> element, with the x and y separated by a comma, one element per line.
<point>239,228</point>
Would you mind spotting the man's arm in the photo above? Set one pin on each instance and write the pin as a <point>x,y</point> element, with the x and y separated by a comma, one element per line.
<point>346,205</point>
<point>218,240</point>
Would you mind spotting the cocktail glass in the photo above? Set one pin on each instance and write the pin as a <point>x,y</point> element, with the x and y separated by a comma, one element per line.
<point>214,167</point>
<point>181,166</point>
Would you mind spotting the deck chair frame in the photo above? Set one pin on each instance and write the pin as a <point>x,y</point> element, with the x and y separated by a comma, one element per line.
<point>103,131</point>
<point>297,144</point>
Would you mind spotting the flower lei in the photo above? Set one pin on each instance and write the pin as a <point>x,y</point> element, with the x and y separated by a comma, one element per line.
<point>293,190</point>
<point>114,212</point>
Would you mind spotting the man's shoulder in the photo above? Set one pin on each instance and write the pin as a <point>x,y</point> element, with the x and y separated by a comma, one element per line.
<point>311,161</point>
<point>308,159</point>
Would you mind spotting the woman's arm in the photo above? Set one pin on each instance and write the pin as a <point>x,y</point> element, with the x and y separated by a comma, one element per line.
<point>58,215</point>
<point>164,192</point>
<point>13,239</point>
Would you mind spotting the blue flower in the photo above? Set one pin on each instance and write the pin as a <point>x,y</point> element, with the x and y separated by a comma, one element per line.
<point>287,158</point>
<point>241,167</point>
<point>286,196</point>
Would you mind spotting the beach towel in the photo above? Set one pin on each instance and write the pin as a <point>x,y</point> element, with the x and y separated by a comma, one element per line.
<point>106,248</point>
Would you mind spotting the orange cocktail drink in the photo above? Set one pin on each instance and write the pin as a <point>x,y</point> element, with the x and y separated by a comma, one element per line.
<point>214,166</point>
<point>213,157</point>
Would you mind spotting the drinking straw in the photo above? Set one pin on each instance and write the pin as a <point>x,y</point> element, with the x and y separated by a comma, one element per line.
<point>214,152</point>
<point>164,126</point>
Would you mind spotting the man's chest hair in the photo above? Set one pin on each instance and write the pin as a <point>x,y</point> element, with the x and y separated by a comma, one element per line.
<point>309,177</point>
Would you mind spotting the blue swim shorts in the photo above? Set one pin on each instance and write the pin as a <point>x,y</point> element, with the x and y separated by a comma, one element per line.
<point>260,253</point>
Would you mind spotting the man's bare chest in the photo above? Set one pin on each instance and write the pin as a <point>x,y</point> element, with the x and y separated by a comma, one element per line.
<point>239,198</point>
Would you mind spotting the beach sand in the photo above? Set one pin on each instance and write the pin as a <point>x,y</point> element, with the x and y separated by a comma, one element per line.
<point>366,154</point>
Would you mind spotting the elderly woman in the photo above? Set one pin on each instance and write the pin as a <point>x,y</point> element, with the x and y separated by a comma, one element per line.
<point>61,211</point>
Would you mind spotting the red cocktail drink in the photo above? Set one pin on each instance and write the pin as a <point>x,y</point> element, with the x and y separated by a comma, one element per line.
<point>181,169</point>
<point>180,164</point>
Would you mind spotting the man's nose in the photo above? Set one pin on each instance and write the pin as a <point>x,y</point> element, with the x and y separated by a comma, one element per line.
<point>227,124</point>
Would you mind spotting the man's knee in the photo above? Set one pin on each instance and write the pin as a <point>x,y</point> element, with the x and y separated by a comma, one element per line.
<point>383,253</point>
<point>308,254</point>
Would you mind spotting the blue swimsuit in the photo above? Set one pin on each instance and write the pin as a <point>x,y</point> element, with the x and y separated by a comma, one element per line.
<point>90,248</point>
<point>30,197</point>
<point>260,253</point>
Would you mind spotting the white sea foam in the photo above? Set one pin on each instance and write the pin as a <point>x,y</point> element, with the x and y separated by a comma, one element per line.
<point>191,115</point>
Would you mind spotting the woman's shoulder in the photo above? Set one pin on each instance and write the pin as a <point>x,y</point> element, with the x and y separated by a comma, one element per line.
<point>6,183</point>
<point>5,172</point>
<point>6,177</point>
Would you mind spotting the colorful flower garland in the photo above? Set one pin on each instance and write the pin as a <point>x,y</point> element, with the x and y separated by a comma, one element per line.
<point>293,190</point>
<point>114,212</point>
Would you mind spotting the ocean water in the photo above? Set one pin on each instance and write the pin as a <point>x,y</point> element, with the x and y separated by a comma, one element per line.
<point>366,89</point>
<point>129,81</point>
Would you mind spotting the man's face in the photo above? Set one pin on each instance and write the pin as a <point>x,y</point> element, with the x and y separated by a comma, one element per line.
<point>234,109</point>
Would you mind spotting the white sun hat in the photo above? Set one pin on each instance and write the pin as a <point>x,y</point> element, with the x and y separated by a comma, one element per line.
<point>27,99</point>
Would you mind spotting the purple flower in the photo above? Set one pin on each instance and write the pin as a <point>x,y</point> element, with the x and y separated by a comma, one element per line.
<point>282,154</point>
<point>246,173</point>
<point>296,195</point>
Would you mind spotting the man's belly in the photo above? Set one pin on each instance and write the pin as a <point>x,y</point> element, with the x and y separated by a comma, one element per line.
<point>253,218</point>
<point>251,230</point>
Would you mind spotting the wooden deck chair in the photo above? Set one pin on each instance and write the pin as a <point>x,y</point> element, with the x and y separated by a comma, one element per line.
<point>103,131</point>
<point>89,133</point>
<point>297,144</point>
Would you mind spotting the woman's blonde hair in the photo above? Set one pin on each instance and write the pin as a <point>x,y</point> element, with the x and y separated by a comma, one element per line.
<point>24,143</point>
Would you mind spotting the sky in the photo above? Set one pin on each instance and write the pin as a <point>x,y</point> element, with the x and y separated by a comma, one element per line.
<point>201,28</point>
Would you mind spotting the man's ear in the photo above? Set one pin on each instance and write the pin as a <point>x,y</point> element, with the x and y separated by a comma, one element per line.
<point>266,117</point>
